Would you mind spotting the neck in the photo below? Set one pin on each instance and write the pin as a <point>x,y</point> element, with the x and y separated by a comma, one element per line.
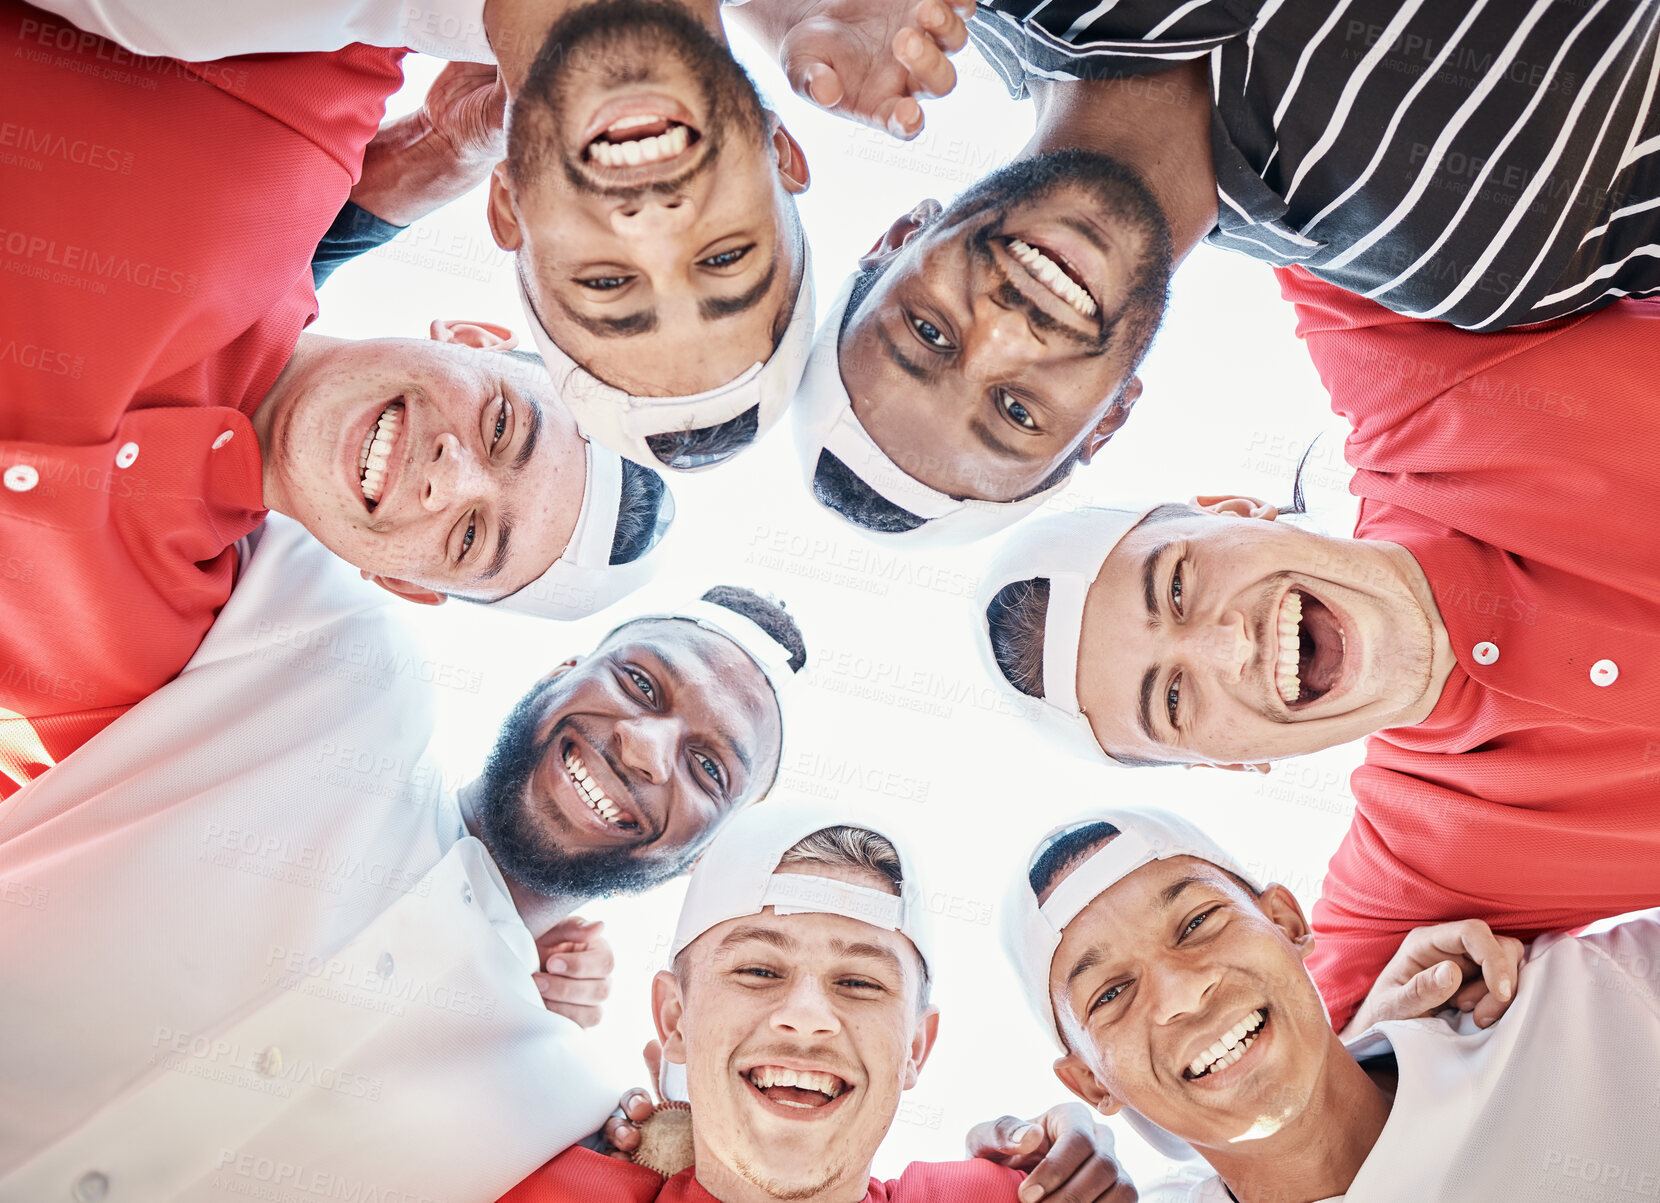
<point>1441,657</point>
<point>1158,125</point>
<point>517,29</point>
<point>728,1186</point>
<point>308,348</point>
<point>539,911</point>
<point>1318,1154</point>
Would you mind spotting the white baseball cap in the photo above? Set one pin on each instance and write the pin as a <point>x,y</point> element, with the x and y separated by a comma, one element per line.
<point>825,425</point>
<point>624,422</point>
<point>1032,932</point>
<point>737,876</point>
<point>583,580</point>
<point>1067,550</point>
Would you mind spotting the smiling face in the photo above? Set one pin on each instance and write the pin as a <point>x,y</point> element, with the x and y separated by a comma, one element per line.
<point>424,461</point>
<point>1214,638</point>
<point>648,195</point>
<point>612,774</point>
<point>1185,998</point>
<point>799,1033</point>
<point>1000,341</point>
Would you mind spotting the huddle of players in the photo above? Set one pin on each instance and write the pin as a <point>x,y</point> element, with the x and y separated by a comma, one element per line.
<point>1164,634</point>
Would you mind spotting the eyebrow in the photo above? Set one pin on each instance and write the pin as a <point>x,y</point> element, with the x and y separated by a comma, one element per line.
<point>869,952</point>
<point>643,322</point>
<point>992,443</point>
<point>713,309</point>
<point>1150,596</point>
<point>504,529</point>
<point>1085,963</point>
<point>914,370</point>
<point>1173,891</point>
<point>763,935</point>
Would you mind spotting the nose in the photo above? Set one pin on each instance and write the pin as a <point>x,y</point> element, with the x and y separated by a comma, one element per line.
<point>654,216</point>
<point>805,1010</point>
<point>646,746</point>
<point>1225,645</point>
<point>1183,985</point>
<point>997,342</point>
<point>453,475</point>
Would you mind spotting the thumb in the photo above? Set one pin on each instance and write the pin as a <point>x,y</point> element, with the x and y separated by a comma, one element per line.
<point>1005,1138</point>
<point>814,80</point>
<point>1428,990</point>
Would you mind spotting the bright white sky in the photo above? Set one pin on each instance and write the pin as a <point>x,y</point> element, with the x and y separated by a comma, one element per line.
<point>896,712</point>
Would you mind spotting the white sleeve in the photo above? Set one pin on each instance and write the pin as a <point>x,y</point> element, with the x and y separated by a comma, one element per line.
<point>202,30</point>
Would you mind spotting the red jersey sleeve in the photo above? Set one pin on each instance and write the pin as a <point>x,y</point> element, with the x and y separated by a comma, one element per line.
<point>580,1175</point>
<point>972,1181</point>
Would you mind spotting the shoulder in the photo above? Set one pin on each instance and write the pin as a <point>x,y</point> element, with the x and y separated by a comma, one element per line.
<point>578,1175</point>
<point>972,1181</point>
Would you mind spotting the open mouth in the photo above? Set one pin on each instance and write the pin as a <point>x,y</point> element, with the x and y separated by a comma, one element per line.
<point>374,458</point>
<point>1309,657</point>
<point>609,811</point>
<point>640,140</point>
<point>797,1089</point>
<point>1057,275</point>
<point>1229,1047</point>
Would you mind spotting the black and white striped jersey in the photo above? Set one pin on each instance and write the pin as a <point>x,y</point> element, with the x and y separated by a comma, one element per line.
<point>1484,162</point>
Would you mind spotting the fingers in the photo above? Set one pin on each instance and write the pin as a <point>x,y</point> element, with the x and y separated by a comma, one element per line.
<point>573,929</point>
<point>1075,1171</point>
<point>1009,1141</point>
<point>931,72</point>
<point>594,961</point>
<point>945,23</point>
<point>621,1134</point>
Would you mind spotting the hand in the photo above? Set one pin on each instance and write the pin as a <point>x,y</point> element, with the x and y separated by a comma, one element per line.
<point>577,963</point>
<point>465,110</point>
<point>622,1131</point>
<point>441,151</point>
<point>1068,1154</point>
<point>867,60</point>
<point>1463,965</point>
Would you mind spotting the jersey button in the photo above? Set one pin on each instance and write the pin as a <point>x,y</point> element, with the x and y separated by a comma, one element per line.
<point>124,458</point>
<point>225,436</point>
<point>20,478</point>
<point>1485,653</point>
<point>1604,672</point>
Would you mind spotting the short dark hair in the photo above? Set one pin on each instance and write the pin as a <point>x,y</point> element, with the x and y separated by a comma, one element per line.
<point>766,613</point>
<point>707,444</point>
<point>638,510</point>
<point>863,281</point>
<point>1016,619</point>
<point>1066,851</point>
<point>838,488</point>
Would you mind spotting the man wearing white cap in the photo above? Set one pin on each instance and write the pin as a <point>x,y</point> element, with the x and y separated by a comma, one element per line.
<point>1173,984</point>
<point>798,1003</point>
<point>1494,627</point>
<point>171,396</point>
<point>647,193</point>
<point>258,943</point>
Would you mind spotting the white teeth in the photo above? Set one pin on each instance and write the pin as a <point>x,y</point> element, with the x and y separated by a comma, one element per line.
<point>1290,648</point>
<point>1230,1047</point>
<point>1051,274</point>
<point>377,451</point>
<point>634,152</point>
<point>765,1076</point>
<point>591,793</point>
